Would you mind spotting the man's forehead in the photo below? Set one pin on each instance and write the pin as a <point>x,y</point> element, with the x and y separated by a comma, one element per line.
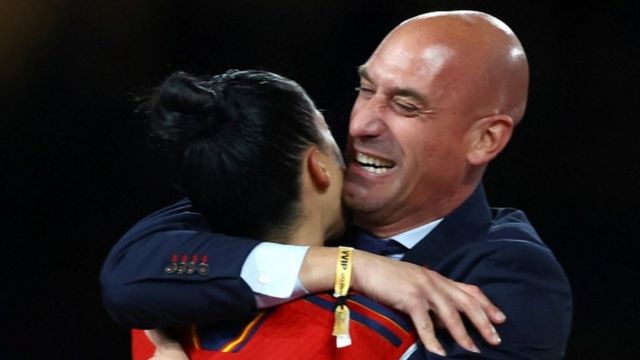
<point>396,88</point>
<point>422,64</point>
<point>436,56</point>
<point>416,54</point>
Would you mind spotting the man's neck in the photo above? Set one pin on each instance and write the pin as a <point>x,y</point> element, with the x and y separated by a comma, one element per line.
<point>387,227</point>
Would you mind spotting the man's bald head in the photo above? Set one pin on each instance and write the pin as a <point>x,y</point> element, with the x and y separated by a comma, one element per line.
<point>490,61</point>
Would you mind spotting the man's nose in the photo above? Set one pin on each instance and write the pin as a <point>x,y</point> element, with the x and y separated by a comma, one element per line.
<point>367,120</point>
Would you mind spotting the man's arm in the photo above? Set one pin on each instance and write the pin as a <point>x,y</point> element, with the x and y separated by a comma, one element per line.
<point>528,284</point>
<point>144,286</point>
<point>168,271</point>
<point>413,290</point>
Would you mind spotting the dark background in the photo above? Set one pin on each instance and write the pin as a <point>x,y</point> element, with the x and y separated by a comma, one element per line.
<point>78,172</point>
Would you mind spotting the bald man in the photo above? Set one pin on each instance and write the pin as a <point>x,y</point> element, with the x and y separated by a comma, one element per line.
<point>438,100</point>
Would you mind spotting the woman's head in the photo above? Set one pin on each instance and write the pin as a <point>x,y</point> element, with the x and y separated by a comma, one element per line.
<point>242,138</point>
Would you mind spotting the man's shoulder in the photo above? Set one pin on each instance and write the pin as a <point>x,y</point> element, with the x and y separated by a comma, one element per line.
<point>509,240</point>
<point>512,244</point>
<point>511,224</point>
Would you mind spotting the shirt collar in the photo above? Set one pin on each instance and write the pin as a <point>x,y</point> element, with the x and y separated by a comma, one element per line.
<point>411,237</point>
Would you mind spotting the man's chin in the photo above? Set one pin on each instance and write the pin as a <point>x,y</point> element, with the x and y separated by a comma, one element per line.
<point>362,205</point>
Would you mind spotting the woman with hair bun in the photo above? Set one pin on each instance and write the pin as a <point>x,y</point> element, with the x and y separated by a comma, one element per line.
<point>242,140</point>
<point>257,159</point>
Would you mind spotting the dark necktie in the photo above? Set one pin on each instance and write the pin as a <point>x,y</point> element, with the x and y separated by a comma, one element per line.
<point>367,242</point>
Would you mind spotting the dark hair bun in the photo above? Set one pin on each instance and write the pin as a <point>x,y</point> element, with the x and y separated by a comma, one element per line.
<point>239,139</point>
<point>182,108</point>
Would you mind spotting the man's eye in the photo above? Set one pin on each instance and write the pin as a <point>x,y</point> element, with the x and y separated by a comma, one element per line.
<point>364,90</point>
<point>405,108</point>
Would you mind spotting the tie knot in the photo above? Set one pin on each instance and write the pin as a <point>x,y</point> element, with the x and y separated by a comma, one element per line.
<point>367,242</point>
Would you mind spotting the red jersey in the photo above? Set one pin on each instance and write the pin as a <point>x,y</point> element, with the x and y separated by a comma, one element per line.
<point>299,329</point>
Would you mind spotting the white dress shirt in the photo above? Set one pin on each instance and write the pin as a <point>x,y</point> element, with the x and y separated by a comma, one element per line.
<point>271,270</point>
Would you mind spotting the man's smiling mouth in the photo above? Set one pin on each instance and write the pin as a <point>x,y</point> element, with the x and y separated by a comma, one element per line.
<point>373,164</point>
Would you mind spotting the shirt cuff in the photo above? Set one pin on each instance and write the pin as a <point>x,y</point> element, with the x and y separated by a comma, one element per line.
<point>271,271</point>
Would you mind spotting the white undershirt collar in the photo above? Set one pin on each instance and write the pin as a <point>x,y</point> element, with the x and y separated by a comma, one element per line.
<point>411,237</point>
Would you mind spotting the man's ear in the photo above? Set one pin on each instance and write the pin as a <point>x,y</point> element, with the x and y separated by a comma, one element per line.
<point>487,137</point>
<point>318,172</point>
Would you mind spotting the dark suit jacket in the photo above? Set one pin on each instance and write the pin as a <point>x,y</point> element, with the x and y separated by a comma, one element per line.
<point>499,251</point>
<point>495,249</point>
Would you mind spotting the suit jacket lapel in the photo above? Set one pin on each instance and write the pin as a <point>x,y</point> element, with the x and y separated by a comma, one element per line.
<point>466,224</point>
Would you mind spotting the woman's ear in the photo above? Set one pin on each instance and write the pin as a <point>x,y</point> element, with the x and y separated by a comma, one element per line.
<point>316,166</point>
<point>488,136</point>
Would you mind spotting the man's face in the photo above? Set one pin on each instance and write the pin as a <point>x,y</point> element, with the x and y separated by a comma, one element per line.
<point>406,150</point>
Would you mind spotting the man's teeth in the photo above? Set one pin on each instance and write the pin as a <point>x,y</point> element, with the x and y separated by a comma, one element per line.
<point>373,165</point>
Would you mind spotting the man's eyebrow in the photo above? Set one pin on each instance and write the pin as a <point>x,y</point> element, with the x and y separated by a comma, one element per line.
<point>404,92</point>
<point>362,72</point>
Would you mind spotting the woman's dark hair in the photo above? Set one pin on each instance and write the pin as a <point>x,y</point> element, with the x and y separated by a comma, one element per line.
<point>240,138</point>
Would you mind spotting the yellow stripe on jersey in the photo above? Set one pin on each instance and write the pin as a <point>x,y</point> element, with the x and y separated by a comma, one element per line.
<point>193,335</point>
<point>229,347</point>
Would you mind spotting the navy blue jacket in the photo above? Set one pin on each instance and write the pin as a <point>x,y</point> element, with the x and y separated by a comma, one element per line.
<point>155,276</point>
